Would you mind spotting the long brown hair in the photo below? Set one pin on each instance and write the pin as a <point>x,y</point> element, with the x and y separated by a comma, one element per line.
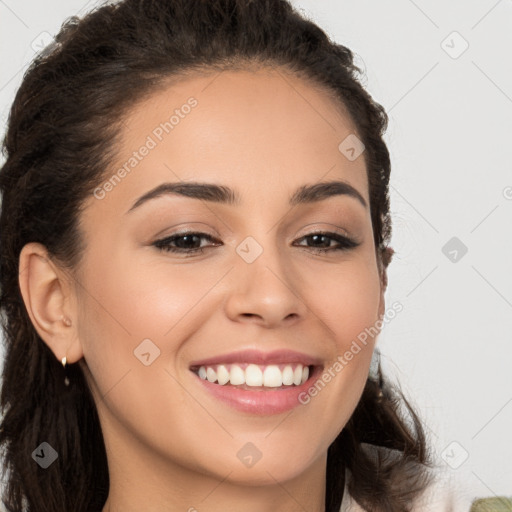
<point>61,137</point>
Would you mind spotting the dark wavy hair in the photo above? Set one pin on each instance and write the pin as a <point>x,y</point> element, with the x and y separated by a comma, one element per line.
<point>61,137</point>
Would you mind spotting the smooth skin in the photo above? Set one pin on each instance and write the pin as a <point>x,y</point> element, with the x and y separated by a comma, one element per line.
<point>171,445</point>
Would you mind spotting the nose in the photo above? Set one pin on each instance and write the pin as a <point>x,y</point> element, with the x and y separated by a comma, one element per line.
<point>265,292</point>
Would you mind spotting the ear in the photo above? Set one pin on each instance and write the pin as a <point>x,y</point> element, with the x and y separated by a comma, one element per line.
<point>48,298</point>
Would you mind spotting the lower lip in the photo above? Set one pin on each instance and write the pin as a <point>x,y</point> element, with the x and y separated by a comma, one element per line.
<point>269,401</point>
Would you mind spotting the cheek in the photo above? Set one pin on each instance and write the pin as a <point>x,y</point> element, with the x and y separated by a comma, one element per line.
<point>143,299</point>
<point>345,297</point>
<point>346,301</point>
<point>127,302</point>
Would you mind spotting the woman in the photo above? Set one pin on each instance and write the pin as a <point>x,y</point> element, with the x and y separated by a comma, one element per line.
<point>195,234</point>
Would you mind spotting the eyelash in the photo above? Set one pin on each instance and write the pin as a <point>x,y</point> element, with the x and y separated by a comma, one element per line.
<point>163,244</point>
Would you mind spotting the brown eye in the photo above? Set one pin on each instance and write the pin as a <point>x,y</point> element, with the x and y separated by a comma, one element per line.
<point>189,243</point>
<point>186,242</point>
<point>322,242</point>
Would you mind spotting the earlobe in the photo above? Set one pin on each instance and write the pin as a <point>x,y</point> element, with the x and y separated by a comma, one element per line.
<point>46,295</point>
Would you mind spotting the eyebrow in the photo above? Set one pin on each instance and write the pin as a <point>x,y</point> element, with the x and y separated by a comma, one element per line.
<point>222,194</point>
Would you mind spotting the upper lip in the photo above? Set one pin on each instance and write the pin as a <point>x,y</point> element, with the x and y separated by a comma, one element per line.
<point>259,357</point>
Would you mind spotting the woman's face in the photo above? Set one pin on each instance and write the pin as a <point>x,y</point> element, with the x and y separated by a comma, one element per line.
<point>147,315</point>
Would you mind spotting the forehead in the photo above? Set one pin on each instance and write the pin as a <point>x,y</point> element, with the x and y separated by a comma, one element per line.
<point>254,130</point>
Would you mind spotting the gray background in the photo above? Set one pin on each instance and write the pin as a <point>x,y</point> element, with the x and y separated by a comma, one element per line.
<point>449,137</point>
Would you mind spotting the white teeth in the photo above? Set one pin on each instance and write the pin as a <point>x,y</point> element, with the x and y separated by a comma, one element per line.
<point>222,375</point>
<point>297,375</point>
<point>271,376</point>
<point>211,374</point>
<point>236,375</point>
<point>253,376</point>
<point>288,376</point>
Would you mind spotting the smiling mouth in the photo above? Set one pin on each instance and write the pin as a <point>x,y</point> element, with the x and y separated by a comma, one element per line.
<point>256,377</point>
